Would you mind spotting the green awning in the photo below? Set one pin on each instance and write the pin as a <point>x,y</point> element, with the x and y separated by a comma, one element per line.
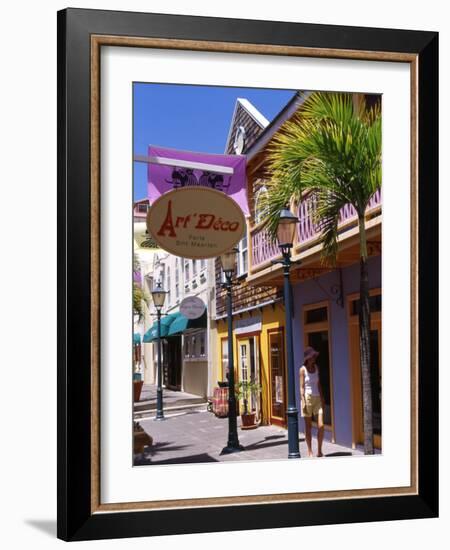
<point>172,324</point>
<point>152,332</point>
<point>182,323</point>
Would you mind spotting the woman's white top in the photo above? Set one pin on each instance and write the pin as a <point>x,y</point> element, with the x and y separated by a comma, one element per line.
<point>311,381</point>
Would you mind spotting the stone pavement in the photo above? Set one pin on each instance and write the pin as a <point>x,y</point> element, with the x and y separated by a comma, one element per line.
<point>173,401</point>
<point>199,436</point>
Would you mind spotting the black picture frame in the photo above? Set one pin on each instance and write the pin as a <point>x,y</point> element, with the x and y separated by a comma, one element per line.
<point>75,518</point>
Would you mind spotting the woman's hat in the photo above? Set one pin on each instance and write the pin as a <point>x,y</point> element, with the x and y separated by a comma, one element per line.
<point>310,353</point>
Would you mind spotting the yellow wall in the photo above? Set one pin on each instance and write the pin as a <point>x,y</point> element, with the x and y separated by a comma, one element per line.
<point>271,318</point>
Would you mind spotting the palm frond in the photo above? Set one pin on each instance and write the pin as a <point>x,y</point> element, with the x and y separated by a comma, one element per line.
<point>138,297</point>
<point>327,212</point>
<point>332,146</point>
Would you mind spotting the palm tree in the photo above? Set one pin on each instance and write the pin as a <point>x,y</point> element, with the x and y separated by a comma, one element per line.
<point>138,297</point>
<point>138,293</point>
<point>332,148</point>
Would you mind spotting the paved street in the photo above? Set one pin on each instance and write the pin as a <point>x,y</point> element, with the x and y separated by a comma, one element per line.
<point>174,401</point>
<point>199,436</point>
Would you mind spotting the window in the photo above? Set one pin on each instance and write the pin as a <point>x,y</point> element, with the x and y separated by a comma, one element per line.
<point>316,315</point>
<point>169,301</point>
<point>202,265</point>
<point>194,268</point>
<point>162,276</point>
<point>150,283</point>
<point>374,303</point>
<point>187,274</point>
<point>195,345</point>
<point>177,279</point>
<point>224,359</point>
<point>242,259</point>
<point>259,210</point>
<point>244,363</point>
<point>202,345</point>
<point>142,207</point>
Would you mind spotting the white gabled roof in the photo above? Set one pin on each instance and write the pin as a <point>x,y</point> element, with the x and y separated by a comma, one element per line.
<point>258,117</point>
<point>253,112</point>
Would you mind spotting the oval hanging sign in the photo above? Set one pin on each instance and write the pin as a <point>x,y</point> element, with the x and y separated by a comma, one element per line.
<point>192,307</point>
<point>195,222</point>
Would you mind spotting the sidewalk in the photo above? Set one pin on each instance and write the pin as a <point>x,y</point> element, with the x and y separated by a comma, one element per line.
<point>199,436</point>
<point>172,401</point>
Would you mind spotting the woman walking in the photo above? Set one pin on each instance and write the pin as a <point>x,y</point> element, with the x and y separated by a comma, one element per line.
<point>312,398</point>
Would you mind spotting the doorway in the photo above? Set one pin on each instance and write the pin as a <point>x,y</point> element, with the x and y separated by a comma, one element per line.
<point>375,367</point>
<point>277,377</point>
<point>316,330</point>
<point>172,363</point>
<point>248,368</point>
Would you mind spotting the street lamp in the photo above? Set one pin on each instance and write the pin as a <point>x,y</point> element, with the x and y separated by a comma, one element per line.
<point>287,224</point>
<point>228,261</point>
<point>159,296</point>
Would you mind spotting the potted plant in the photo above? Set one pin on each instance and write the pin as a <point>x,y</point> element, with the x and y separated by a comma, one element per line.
<point>141,439</point>
<point>245,390</point>
<point>137,383</point>
<point>137,376</point>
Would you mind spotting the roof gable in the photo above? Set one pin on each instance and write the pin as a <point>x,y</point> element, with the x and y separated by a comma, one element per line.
<point>253,122</point>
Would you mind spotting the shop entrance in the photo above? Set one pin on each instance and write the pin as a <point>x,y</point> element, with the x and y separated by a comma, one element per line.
<point>248,371</point>
<point>172,363</point>
<point>375,367</point>
<point>316,328</point>
<point>277,380</point>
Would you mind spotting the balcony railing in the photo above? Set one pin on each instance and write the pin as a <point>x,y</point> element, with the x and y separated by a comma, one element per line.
<point>264,249</point>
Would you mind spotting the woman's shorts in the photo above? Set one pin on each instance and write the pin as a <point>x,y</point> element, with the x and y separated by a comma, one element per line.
<point>312,405</point>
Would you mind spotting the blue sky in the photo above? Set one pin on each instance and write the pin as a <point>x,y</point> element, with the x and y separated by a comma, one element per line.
<point>195,118</point>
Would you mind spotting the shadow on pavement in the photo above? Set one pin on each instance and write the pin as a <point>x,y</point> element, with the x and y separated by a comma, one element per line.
<point>204,457</point>
<point>265,445</point>
<point>164,446</point>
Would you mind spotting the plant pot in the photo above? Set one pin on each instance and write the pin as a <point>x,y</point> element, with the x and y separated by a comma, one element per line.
<point>248,421</point>
<point>137,385</point>
<point>141,439</point>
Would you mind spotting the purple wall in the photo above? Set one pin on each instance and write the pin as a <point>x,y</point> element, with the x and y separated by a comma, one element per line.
<point>310,292</point>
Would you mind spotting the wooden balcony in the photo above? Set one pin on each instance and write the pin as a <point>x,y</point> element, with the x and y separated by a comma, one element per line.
<point>307,247</point>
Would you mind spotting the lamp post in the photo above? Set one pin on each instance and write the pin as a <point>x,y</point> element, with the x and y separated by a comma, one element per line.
<point>159,296</point>
<point>228,260</point>
<point>287,224</point>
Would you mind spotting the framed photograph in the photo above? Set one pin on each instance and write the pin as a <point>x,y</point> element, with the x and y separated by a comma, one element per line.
<point>247,286</point>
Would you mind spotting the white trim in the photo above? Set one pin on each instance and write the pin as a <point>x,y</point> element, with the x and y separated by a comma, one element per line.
<point>259,118</point>
<point>253,112</point>
<point>215,168</point>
